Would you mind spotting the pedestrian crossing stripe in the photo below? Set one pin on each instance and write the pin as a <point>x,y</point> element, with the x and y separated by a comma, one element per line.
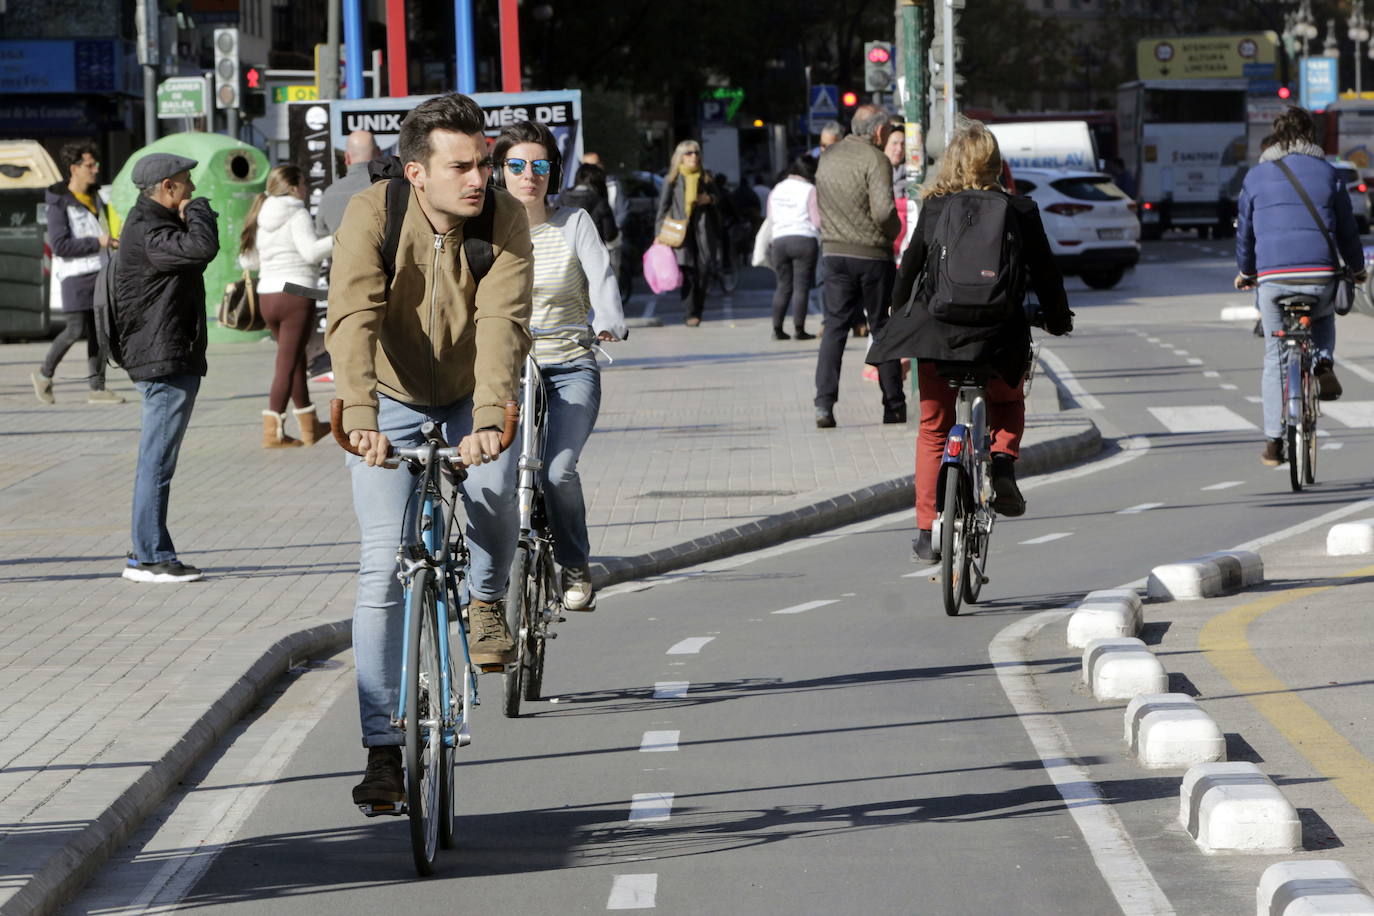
<point>1355,414</point>
<point>1204,419</point>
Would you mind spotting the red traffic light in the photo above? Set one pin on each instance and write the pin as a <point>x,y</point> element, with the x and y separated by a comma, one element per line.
<point>849,99</point>
<point>252,77</point>
<point>879,55</point>
<point>1284,92</point>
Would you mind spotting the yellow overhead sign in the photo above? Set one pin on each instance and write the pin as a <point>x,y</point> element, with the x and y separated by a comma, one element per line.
<point>282,94</point>
<point>1189,57</point>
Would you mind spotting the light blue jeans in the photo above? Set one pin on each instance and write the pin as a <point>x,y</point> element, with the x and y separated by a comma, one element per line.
<point>383,501</point>
<point>1323,338</point>
<point>167,405</point>
<point>574,398</point>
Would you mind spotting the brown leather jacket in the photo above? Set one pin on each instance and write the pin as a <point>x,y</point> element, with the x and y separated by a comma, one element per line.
<point>434,337</point>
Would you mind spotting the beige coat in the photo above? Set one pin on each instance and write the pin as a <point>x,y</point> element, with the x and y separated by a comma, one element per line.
<point>435,337</point>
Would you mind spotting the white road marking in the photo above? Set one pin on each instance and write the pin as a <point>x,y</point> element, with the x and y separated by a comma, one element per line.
<point>633,892</point>
<point>690,646</point>
<point>1136,510</point>
<point>1224,485</point>
<point>1060,370</point>
<point>1240,313</point>
<point>671,690</point>
<point>1359,370</point>
<point>808,606</point>
<point>1117,859</point>
<point>1320,521</point>
<point>647,807</point>
<point>1046,538</point>
<point>1331,446</point>
<point>1194,361</point>
<point>1203,419</point>
<point>1228,387</point>
<point>1180,352</point>
<point>921,573</point>
<point>1211,373</point>
<point>1322,434</point>
<point>1355,414</point>
<point>655,741</point>
<point>1254,399</point>
<point>1153,339</point>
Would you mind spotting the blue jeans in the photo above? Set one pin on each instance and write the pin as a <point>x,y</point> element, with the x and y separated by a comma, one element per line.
<point>167,405</point>
<point>574,398</point>
<point>382,500</point>
<point>1323,338</point>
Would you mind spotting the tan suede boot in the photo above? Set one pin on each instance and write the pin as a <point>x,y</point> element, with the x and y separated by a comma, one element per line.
<point>273,431</point>
<point>313,429</point>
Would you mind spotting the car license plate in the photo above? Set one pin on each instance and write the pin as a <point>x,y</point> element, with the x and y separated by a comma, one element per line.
<point>1111,233</point>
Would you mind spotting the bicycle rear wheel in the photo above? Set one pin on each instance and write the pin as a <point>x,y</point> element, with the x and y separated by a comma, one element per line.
<point>953,546</point>
<point>423,727</point>
<point>1310,412</point>
<point>519,617</point>
<point>1297,454</point>
<point>543,592</point>
<point>977,552</point>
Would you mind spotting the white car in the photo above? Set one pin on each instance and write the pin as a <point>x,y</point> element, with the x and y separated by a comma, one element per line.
<point>1091,223</point>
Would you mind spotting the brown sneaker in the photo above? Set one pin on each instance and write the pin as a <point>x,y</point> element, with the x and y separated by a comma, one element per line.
<point>1273,453</point>
<point>489,641</point>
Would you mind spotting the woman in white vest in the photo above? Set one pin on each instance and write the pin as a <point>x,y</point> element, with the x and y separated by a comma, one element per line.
<point>79,236</point>
<point>796,222</point>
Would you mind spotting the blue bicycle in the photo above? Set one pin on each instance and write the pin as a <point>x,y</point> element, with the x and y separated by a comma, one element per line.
<point>438,690</point>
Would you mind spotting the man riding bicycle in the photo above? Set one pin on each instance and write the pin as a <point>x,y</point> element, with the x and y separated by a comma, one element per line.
<point>1281,248</point>
<point>432,343</point>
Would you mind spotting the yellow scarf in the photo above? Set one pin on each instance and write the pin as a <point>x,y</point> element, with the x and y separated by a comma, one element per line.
<point>692,176</point>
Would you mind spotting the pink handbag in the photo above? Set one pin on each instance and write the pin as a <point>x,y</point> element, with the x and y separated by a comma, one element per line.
<point>660,268</point>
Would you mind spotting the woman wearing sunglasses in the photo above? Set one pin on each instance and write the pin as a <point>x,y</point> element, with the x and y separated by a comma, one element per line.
<point>573,288</point>
<point>689,193</point>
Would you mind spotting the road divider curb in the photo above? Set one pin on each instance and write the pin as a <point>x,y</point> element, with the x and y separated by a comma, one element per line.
<point>1105,614</point>
<point>1233,807</point>
<point>1170,730</point>
<point>1206,576</point>
<point>1240,313</point>
<point>1311,888</point>
<point>1122,668</point>
<point>1348,539</point>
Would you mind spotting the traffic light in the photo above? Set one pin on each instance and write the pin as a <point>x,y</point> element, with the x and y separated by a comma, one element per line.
<point>1284,92</point>
<point>228,93</point>
<point>849,99</point>
<point>254,94</point>
<point>879,69</point>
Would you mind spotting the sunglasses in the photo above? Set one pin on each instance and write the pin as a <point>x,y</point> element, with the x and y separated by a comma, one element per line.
<point>540,167</point>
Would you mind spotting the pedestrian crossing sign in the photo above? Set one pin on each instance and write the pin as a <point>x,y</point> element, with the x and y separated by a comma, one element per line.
<point>825,101</point>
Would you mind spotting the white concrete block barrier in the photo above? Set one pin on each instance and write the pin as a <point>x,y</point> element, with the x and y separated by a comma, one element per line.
<point>1206,576</point>
<point>1320,888</point>
<point>1240,313</point>
<point>1233,807</point>
<point>1105,614</point>
<point>1171,730</point>
<point>1122,668</point>
<point>1348,539</point>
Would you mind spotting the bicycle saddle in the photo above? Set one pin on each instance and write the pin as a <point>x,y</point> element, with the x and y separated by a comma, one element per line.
<point>1300,302</point>
<point>960,374</point>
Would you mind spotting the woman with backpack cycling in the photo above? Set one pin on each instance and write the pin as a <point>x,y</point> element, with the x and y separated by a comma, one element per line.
<point>573,288</point>
<point>959,299</point>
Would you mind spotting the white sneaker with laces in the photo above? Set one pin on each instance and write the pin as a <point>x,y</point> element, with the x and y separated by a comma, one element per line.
<point>577,589</point>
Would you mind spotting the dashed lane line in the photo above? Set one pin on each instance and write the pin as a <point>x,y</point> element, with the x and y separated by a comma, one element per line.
<point>1331,446</point>
<point>1136,510</point>
<point>808,606</point>
<point>1211,373</point>
<point>1046,538</point>
<point>1224,485</point>
<point>633,892</point>
<point>689,646</point>
<point>659,741</point>
<point>671,690</point>
<point>650,807</point>
<point>921,573</point>
<point>1227,386</point>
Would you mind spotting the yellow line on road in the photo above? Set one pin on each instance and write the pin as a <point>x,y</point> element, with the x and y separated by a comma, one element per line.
<point>1224,642</point>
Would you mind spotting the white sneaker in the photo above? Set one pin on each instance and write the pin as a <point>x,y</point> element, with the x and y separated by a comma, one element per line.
<point>577,589</point>
<point>169,571</point>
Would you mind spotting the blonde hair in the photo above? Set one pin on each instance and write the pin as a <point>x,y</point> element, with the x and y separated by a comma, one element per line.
<point>972,162</point>
<point>675,164</point>
<point>280,182</point>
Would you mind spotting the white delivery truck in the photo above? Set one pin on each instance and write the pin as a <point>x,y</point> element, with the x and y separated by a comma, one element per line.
<point>1184,140</point>
<point>1046,145</point>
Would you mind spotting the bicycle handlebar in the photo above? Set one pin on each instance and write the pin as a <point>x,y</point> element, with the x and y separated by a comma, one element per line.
<point>396,455</point>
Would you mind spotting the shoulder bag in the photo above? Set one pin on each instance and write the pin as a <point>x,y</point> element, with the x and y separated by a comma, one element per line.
<point>238,308</point>
<point>1345,276</point>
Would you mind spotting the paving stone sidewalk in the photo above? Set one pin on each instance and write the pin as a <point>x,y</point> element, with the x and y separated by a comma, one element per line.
<point>706,445</point>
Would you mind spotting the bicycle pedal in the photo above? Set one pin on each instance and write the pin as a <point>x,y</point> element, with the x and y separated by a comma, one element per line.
<point>550,635</point>
<point>492,669</point>
<point>383,809</point>
<point>560,619</point>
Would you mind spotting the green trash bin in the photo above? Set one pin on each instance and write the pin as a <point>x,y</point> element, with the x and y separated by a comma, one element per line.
<point>231,174</point>
<point>26,171</point>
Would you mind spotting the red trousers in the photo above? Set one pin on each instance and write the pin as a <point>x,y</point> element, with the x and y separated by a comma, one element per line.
<point>1006,423</point>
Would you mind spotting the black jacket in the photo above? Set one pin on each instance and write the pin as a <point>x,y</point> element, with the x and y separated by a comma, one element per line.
<point>160,287</point>
<point>65,242</point>
<point>585,197</point>
<point>913,332</point>
<point>705,234</point>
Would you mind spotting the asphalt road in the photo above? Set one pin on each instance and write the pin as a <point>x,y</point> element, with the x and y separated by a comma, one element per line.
<point>856,755</point>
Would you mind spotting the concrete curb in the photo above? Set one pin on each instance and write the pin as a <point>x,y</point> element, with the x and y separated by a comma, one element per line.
<point>1122,668</point>
<point>1170,730</point>
<point>1234,807</point>
<point>1303,888</point>
<point>1205,577</point>
<point>1350,539</point>
<point>840,509</point>
<point>69,868</point>
<point>1103,615</point>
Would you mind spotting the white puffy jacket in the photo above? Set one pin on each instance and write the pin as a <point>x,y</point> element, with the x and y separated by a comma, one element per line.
<point>288,251</point>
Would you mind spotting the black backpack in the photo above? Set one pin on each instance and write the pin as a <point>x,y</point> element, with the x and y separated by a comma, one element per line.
<point>477,231</point>
<point>106,321</point>
<point>975,268</point>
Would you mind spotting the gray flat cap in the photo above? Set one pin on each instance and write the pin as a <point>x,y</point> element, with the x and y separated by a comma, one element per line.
<point>154,167</point>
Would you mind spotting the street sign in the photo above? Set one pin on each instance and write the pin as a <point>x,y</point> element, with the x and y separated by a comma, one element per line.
<point>282,95</point>
<point>183,97</point>
<point>1185,57</point>
<point>823,106</point>
<point>1317,86</point>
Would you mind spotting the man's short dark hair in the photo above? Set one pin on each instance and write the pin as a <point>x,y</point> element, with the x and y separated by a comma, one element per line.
<point>455,112</point>
<point>72,153</point>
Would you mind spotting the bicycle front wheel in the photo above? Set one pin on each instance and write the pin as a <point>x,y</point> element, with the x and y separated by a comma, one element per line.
<point>953,546</point>
<point>519,619</point>
<point>1310,412</point>
<point>1297,455</point>
<point>543,590</point>
<point>424,747</point>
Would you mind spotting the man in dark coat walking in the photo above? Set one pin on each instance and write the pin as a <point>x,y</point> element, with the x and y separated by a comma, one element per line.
<point>165,246</point>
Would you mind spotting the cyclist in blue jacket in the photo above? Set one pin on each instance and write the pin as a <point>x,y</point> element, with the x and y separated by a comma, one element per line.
<point>1281,249</point>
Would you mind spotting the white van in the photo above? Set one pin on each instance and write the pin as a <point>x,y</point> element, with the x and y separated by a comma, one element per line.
<point>1046,145</point>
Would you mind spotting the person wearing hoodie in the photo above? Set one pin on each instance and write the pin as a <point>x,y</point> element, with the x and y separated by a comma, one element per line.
<point>279,240</point>
<point>79,236</point>
<point>1281,250</point>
